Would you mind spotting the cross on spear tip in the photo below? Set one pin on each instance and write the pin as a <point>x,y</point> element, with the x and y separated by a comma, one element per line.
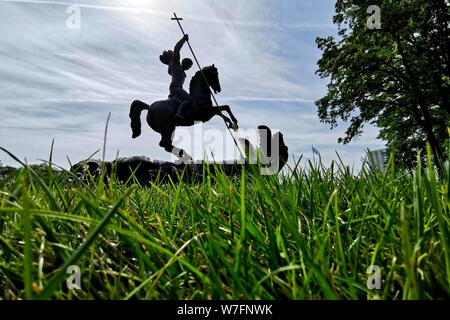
<point>177,19</point>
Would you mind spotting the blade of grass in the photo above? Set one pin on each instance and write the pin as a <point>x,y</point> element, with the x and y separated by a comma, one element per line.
<point>58,277</point>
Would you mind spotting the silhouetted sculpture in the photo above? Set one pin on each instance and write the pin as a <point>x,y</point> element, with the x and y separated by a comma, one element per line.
<point>176,70</point>
<point>196,107</point>
<point>272,149</point>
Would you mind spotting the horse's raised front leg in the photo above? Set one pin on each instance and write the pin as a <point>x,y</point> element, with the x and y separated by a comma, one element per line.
<point>228,110</point>
<point>208,113</point>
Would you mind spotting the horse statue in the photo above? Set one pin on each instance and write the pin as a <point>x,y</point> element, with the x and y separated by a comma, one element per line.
<point>161,114</point>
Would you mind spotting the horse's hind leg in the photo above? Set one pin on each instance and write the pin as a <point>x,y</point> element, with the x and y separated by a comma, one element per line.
<point>166,143</point>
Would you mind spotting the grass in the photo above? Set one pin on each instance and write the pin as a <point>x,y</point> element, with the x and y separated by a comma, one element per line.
<point>308,234</point>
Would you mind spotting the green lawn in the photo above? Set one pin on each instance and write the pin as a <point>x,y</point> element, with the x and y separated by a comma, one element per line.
<point>308,234</point>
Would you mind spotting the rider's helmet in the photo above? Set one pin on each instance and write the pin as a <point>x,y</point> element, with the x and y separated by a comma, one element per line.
<point>186,64</point>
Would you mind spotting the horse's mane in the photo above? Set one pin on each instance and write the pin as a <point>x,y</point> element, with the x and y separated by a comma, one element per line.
<point>198,76</point>
<point>194,79</point>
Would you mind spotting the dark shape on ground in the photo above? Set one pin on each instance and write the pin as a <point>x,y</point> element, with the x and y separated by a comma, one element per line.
<point>146,170</point>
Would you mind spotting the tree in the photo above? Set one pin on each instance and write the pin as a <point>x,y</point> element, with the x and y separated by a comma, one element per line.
<point>396,77</point>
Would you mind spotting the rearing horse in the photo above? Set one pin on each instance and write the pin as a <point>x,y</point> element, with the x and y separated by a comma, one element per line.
<point>160,116</point>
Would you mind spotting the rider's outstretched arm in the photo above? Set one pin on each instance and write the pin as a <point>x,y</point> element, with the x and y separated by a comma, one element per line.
<point>178,46</point>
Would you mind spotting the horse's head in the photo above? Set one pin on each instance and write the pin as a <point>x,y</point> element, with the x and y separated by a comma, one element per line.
<point>212,76</point>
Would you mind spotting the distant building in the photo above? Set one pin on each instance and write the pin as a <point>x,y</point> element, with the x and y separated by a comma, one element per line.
<point>379,158</point>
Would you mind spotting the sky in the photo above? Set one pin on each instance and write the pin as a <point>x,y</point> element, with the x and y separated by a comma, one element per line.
<point>60,82</point>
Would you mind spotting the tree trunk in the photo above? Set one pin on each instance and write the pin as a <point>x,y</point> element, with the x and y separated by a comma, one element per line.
<point>427,123</point>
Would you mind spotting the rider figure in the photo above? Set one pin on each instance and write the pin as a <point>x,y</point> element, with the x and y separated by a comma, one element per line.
<point>176,70</point>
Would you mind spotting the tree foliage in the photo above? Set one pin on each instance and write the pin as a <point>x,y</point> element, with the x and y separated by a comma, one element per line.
<point>396,77</point>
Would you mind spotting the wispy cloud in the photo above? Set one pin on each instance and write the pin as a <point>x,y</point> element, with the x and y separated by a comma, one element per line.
<point>62,83</point>
<point>163,13</point>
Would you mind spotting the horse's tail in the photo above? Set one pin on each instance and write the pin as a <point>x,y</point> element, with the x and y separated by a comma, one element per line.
<point>135,116</point>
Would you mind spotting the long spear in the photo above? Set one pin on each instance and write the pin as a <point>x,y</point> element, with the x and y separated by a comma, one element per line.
<point>206,81</point>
